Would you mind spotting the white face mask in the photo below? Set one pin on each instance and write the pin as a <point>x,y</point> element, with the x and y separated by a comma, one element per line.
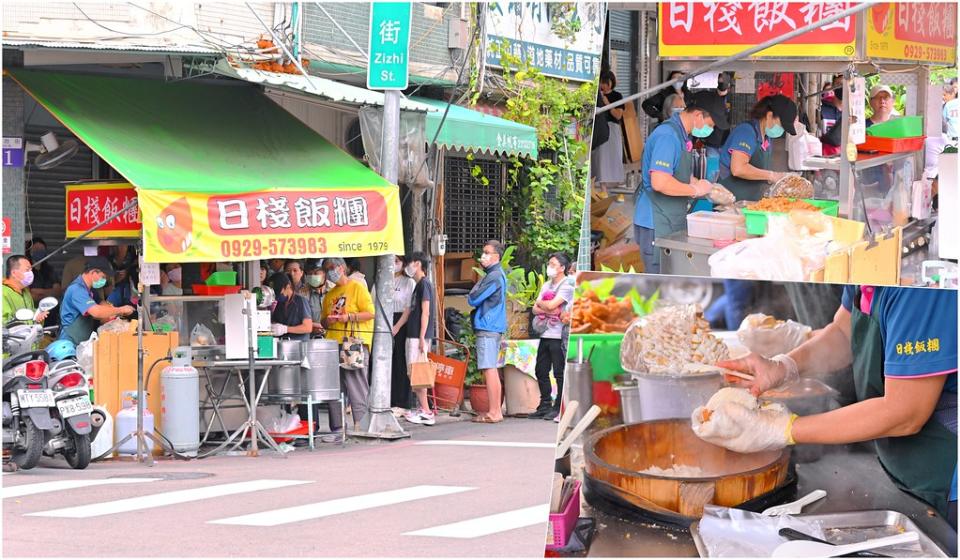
<point>409,271</point>
<point>175,275</point>
<point>552,272</point>
<point>485,259</point>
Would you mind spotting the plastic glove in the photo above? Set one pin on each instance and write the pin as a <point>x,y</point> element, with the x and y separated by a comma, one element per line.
<point>701,188</point>
<point>721,196</point>
<point>278,329</point>
<point>768,374</point>
<point>744,430</point>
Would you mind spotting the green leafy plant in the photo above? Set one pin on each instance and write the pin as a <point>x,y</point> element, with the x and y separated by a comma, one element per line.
<point>544,197</point>
<point>523,287</point>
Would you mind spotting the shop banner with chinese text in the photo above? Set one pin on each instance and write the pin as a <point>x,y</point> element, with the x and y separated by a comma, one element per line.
<point>287,223</point>
<point>718,29</point>
<point>916,32</point>
<point>88,205</point>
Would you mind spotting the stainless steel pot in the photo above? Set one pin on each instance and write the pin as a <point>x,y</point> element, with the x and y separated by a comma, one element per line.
<point>629,402</point>
<point>578,386</point>
<point>673,396</point>
<point>322,379</point>
<point>285,380</point>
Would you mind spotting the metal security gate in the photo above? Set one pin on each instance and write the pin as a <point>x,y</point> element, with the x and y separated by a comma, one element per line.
<point>473,212</point>
<point>46,195</point>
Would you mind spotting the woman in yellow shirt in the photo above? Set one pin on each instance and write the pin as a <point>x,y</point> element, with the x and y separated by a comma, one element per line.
<point>348,310</point>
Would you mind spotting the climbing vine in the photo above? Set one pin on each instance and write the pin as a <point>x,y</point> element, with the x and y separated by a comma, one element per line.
<point>544,196</point>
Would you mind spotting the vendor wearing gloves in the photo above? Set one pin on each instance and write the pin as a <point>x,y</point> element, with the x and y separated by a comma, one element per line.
<point>668,187</point>
<point>291,318</point>
<point>902,344</point>
<point>82,310</point>
<point>746,156</point>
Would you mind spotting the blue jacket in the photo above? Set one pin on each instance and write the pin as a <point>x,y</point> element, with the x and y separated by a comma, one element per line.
<point>489,296</point>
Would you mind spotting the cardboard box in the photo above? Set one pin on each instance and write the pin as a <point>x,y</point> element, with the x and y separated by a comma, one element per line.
<point>616,222</point>
<point>467,272</point>
<point>115,368</point>
<point>621,255</point>
<point>876,264</point>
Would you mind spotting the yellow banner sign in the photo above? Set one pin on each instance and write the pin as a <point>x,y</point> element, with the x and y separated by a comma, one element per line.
<point>211,227</point>
<point>913,31</point>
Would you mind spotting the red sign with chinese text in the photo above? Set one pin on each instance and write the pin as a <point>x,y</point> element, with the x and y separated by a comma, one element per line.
<point>89,205</point>
<point>5,236</point>
<point>926,22</point>
<point>297,212</point>
<point>739,24</point>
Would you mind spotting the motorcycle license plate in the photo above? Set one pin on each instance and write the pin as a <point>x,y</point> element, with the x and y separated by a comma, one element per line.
<point>75,406</point>
<point>32,399</point>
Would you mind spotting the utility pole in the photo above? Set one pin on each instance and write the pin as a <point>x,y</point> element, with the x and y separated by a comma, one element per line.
<point>387,69</point>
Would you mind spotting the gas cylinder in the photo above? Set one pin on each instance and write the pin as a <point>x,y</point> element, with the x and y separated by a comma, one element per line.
<point>180,403</point>
<point>126,423</point>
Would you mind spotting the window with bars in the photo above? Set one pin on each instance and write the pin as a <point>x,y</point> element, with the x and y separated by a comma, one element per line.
<point>473,211</point>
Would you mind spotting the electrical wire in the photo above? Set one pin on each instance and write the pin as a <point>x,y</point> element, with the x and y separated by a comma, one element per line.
<point>127,33</point>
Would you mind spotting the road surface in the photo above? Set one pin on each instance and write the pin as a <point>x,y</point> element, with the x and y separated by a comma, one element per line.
<point>456,489</point>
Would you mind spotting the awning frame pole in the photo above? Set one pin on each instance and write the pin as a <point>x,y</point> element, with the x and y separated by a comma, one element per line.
<point>126,208</point>
<point>380,421</point>
<point>738,56</point>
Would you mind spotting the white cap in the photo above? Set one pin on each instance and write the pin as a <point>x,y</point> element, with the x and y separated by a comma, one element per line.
<point>878,89</point>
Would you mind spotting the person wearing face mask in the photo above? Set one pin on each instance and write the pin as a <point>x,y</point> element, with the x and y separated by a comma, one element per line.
<point>316,282</point>
<point>403,286</point>
<point>174,285</point>
<point>668,187</point>
<point>606,160</point>
<point>291,317</point>
<point>16,293</point>
<point>658,105</point>
<point>348,311</point>
<point>82,311</point>
<point>421,330</point>
<point>489,298</point>
<point>554,296</point>
<point>672,105</point>
<point>831,103</point>
<point>746,158</point>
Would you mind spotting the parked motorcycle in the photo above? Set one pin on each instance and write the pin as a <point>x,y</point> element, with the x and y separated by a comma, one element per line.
<point>74,429</point>
<point>27,400</point>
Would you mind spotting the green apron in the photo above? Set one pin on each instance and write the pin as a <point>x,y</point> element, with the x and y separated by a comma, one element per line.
<point>81,329</point>
<point>746,189</point>
<point>670,212</point>
<point>921,464</point>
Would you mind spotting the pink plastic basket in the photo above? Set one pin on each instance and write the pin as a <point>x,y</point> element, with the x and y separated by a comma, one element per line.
<point>562,524</point>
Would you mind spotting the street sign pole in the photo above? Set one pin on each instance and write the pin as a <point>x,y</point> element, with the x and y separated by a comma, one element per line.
<point>387,69</point>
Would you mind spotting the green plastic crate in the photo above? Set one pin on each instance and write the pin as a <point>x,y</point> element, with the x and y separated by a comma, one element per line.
<point>605,360</point>
<point>898,127</point>
<point>757,220</point>
<point>222,278</point>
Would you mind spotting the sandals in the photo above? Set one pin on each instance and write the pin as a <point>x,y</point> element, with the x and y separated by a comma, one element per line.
<point>486,420</point>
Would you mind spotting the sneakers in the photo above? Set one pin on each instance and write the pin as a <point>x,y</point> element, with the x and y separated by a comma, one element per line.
<point>556,418</point>
<point>427,418</point>
<point>423,417</point>
<point>331,438</point>
<point>552,414</point>
<point>542,411</point>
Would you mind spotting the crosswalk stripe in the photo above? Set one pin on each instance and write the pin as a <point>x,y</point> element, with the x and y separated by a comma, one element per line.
<point>484,443</point>
<point>342,505</point>
<point>168,498</point>
<point>59,485</point>
<point>488,525</point>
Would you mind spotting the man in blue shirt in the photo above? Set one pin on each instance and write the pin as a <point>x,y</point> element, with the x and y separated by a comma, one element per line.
<point>668,187</point>
<point>82,311</point>
<point>902,343</point>
<point>489,298</point>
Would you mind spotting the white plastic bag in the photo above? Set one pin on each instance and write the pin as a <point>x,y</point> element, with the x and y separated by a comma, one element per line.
<point>202,336</point>
<point>801,146</point>
<point>728,532</point>
<point>922,196</point>
<point>764,335</point>
<point>85,354</point>
<point>115,326</point>
<point>787,252</point>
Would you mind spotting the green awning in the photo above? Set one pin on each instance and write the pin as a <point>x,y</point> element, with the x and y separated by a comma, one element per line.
<point>222,172</point>
<point>194,137</point>
<point>465,129</point>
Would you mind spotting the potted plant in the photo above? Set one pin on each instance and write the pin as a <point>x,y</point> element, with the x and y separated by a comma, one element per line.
<point>523,289</point>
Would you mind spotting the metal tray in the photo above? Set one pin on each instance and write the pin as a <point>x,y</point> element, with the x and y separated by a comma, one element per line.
<point>858,526</point>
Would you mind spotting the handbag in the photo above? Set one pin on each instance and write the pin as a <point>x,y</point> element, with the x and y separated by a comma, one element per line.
<point>351,350</point>
<point>423,374</point>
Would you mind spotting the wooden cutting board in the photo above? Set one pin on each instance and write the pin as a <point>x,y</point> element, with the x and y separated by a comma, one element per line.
<point>632,137</point>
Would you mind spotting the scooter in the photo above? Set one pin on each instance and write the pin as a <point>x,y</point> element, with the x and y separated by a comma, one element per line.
<point>74,429</point>
<point>27,400</point>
